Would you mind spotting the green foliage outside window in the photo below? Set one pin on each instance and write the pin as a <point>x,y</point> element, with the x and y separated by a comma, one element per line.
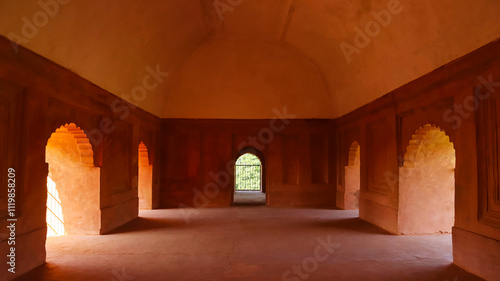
<point>248,173</point>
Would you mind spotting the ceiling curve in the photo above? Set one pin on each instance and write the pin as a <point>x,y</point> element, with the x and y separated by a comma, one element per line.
<point>239,59</point>
<point>248,79</point>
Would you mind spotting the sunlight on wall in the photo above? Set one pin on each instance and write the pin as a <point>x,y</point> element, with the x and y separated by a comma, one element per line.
<point>55,220</point>
<point>427,183</point>
<point>145,179</point>
<point>352,178</point>
<point>72,183</point>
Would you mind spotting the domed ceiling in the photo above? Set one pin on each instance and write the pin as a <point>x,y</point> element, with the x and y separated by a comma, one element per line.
<point>240,59</point>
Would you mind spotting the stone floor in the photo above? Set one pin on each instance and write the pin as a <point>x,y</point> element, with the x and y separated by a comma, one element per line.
<point>249,198</point>
<point>249,243</point>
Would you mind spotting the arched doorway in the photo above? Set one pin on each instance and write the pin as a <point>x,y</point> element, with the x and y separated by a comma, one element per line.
<point>249,175</point>
<point>352,178</point>
<point>427,184</point>
<point>72,183</point>
<point>145,180</point>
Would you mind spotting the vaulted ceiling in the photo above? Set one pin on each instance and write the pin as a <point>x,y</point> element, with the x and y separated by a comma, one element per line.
<point>240,59</point>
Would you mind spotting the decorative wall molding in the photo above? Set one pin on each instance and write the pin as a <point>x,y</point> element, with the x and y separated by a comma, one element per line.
<point>487,133</point>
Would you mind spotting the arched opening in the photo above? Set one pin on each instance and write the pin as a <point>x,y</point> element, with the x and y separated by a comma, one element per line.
<point>72,183</point>
<point>427,184</point>
<point>352,178</point>
<point>249,174</point>
<point>145,181</point>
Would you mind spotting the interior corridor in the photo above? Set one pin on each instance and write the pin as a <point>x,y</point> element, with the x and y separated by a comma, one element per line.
<point>249,243</point>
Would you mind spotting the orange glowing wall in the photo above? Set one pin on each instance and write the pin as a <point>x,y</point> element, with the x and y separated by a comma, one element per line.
<point>76,183</point>
<point>37,97</point>
<point>461,98</point>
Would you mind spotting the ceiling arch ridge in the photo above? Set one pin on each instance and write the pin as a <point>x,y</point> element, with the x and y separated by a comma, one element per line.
<point>227,56</point>
<point>320,72</point>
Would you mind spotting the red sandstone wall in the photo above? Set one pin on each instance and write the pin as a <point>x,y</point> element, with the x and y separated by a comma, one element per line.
<point>299,165</point>
<point>444,98</point>
<point>36,97</point>
<point>302,162</point>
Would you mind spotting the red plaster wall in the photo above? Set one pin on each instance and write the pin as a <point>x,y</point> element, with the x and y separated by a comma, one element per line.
<point>302,160</point>
<point>37,97</point>
<point>443,97</point>
<point>299,167</point>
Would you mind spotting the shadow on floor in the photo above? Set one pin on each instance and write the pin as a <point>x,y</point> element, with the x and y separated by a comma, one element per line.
<point>350,224</point>
<point>448,273</point>
<point>143,224</point>
<point>50,272</point>
<point>268,242</point>
<point>248,204</point>
<point>439,273</point>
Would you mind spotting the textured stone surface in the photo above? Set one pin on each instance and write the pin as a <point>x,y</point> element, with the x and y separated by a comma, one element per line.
<point>477,253</point>
<point>77,181</point>
<point>41,97</point>
<point>427,184</point>
<point>249,198</point>
<point>348,194</point>
<point>145,179</point>
<point>198,161</point>
<point>249,243</point>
